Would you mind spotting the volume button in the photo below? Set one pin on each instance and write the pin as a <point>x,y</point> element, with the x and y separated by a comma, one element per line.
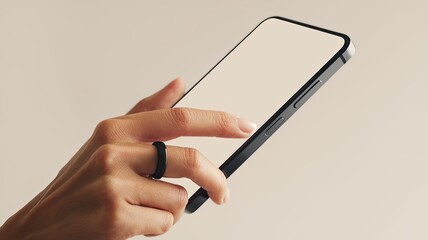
<point>307,94</point>
<point>275,126</point>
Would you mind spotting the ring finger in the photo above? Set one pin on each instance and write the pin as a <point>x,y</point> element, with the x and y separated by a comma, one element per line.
<point>182,162</point>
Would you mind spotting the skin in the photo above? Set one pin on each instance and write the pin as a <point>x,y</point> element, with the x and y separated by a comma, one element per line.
<point>105,191</point>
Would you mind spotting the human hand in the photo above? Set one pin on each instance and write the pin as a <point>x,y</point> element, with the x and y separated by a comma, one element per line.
<point>105,190</point>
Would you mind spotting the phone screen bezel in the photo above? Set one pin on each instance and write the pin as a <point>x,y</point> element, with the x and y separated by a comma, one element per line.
<point>285,111</point>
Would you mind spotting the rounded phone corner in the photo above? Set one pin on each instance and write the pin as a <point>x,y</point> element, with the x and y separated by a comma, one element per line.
<point>348,48</point>
<point>196,201</point>
<point>349,52</point>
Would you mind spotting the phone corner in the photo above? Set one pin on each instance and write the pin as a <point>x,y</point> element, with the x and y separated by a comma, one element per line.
<point>349,51</point>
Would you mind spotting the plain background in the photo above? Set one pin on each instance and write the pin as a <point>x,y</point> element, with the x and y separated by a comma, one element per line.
<point>350,164</point>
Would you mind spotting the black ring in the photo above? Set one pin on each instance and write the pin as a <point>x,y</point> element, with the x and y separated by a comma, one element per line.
<point>162,160</point>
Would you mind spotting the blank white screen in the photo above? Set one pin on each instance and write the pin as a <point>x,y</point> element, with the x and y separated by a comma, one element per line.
<point>255,80</point>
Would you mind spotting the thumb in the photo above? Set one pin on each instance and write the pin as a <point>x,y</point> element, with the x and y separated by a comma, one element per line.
<point>162,99</point>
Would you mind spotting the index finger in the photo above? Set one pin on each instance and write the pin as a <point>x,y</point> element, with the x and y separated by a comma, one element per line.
<point>171,123</point>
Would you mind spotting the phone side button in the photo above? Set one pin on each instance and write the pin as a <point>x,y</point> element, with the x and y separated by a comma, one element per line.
<point>307,94</point>
<point>275,126</point>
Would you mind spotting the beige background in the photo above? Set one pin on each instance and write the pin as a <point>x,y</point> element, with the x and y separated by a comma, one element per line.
<point>352,163</point>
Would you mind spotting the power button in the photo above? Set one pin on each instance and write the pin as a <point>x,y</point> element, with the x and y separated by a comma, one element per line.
<point>275,126</point>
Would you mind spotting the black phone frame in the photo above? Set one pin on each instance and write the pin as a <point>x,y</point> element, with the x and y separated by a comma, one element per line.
<point>286,110</point>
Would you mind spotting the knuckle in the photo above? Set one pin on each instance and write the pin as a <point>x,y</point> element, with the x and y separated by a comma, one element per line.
<point>143,104</point>
<point>181,117</point>
<point>225,122</point>
<point>105,157</point>
<point>192,159</point>
<point>166,223</point>
<point>106,151</point>
<point>106,131</point>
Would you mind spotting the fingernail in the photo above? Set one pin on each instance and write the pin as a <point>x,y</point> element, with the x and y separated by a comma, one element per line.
<point>246,126</point>
<point>227,196</point>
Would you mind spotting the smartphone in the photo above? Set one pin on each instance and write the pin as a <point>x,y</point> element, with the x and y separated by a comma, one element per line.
<point>265,78</point>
